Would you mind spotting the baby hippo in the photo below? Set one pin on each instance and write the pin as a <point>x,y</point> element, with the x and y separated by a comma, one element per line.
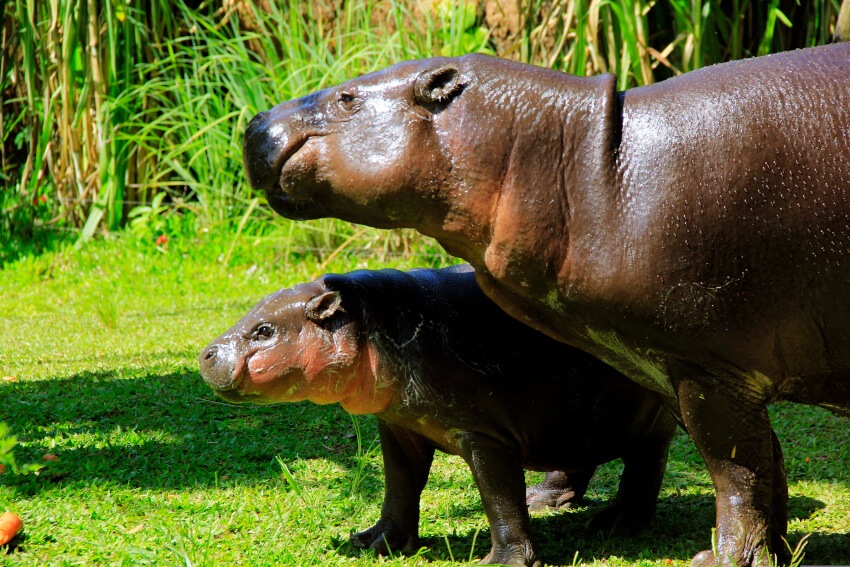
<point>442,367</point>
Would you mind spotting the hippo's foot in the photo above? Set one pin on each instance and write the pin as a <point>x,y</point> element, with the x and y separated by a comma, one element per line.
<point>518,554</point>
<point>386,539</point>
<point>707,558</point>
<point>559,489</point>
<point>620,520</point>
<point>538,497</point>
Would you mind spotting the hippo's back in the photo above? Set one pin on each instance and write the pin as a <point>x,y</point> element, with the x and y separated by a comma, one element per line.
<point>735,186</point>
<point>440,318</point>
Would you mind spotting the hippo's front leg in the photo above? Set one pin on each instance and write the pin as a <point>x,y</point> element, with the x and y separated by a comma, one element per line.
<point>407,462</point>
<point>731,429</point>
<point>500,479</point>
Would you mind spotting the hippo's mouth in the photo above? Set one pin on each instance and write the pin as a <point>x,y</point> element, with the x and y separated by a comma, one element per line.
<point>284,197</point>
<point>237,396</point>
<point>290,206</point>
<point>232,390</point>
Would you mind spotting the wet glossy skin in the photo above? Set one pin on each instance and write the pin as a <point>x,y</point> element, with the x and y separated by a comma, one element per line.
<point>282,351</point>
<point>443,368</point>
<point>692,233</point>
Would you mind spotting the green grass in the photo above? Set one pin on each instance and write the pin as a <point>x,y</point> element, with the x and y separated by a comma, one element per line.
<point>154,470</point>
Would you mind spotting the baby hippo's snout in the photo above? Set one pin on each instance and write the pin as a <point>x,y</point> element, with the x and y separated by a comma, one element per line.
<point>218,366</point>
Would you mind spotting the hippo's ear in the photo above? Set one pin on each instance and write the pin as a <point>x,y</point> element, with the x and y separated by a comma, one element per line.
<point>438,85</point>
<point>323,306</point>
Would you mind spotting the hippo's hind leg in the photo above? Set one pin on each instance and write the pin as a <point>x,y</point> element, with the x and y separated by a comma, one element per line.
<point>634,506</point>
<point>731,428</point>
<point>559,489</point>
<point>779,512</point>
<point>407,462</point>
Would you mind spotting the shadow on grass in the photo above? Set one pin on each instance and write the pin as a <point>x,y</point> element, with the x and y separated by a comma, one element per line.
<point>165,430</point>
<point>682,530</point>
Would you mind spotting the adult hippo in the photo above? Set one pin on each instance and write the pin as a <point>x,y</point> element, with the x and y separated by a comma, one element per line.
<point>692,233</point>
<point>442,367</point>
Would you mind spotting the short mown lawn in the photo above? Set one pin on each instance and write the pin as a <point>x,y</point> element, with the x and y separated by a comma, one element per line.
<point>98,366</point>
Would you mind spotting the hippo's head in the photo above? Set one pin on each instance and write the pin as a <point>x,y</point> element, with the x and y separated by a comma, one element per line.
<point>437,145</point>
<point>365,145</point>
<point>296,344</point>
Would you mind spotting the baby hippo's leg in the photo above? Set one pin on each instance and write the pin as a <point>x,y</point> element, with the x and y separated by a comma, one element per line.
<point>559,490</point>
<point>407,462</point>
<point>500,479</point>
<point>634,506</point>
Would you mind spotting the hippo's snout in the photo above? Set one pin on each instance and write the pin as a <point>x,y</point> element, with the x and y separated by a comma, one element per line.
<point>262,150</point>
<point>272,137</point>
<point>218,366</point>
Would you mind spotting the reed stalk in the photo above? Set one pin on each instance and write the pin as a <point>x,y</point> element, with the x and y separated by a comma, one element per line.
<point>107,103</point>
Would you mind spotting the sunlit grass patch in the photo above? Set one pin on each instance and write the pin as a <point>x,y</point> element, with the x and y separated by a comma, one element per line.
<point>153,469</point>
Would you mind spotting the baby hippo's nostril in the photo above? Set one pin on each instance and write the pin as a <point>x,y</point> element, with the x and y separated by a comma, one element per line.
<point>217,363</point>
<point>210,352</point>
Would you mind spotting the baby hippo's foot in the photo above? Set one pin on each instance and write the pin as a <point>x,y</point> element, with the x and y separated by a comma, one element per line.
<point>558,490</point>
<point>385,538</point>
<point>518,554</point>
<point>621,520</point>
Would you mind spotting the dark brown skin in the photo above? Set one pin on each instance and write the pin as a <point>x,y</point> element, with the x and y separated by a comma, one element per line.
<point>693,233</point>
<point>443,368</point>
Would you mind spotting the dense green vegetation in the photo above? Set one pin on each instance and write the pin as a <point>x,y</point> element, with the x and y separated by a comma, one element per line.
<point>107,104</point>
<point>153,469</point>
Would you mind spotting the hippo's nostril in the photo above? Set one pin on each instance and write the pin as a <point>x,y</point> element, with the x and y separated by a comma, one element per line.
<point>218,366</point>
<point>211,352</point>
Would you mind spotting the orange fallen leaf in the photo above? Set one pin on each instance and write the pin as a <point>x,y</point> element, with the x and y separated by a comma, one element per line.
<point>10,525</point>
<point>51,457</point>
<point>9,379</point>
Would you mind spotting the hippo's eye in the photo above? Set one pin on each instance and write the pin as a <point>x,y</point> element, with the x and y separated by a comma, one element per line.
<point>347,101</point>
<point>264,331</point>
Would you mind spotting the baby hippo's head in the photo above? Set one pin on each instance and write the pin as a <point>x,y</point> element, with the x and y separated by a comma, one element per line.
<point>296,344</point>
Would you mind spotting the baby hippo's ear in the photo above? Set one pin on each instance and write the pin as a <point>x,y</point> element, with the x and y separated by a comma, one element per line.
<point>323,306</point>
<point>438,85</point>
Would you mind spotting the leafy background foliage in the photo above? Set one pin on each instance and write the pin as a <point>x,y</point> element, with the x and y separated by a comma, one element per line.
<point>107,104</point>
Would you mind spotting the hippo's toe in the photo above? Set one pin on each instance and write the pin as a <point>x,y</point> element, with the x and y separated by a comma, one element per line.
<point>385,539</point>
<point>519,554</point>
<point>539,499</point>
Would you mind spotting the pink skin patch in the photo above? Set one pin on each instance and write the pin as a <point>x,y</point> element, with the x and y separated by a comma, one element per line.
<point>321,375</point>
<point>313,368</point>
<point>302,357</point>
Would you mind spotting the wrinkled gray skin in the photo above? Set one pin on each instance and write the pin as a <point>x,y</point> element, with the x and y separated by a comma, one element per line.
<point>693,233</point>
<point>443,368</point>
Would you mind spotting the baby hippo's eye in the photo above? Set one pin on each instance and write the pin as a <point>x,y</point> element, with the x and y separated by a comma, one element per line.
<point>264,331</point>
